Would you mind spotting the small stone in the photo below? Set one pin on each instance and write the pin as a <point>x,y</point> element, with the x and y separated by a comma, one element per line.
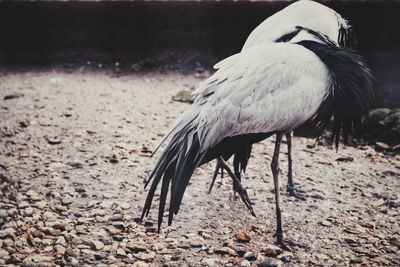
<point>135,248</point>
<point>243,236</point>
<point>268,263</point>
<point>46,241</point>
<point>208,262</point>
<point>121,253</point>
<point>245,263</point>
<point>125,205</point>
<point>23,204</point>
<point>61,241</point>
<point>99,256</point>
<point>157,247</point>
<point>224,251</point>
<point>97,245</point>
<point>395,242</point>
<point>251,256</point>
<point>39,204</point>
<point>28,212</point>
<point>48,249</point>
<point>141,264</point>
<point>196,242</point>
<point>60,250</point>
<point>117,218</point>
<point>3,213</point>
<point>146,256</point>
<point>49,216</point>
<point>73,261</point>
<point>7,232</point>
<point>326,223</point>
<point>271,250</point>
<point>41,259</point>
<point>65,201</point>
<point>106,204</point>
<point>3,253</point>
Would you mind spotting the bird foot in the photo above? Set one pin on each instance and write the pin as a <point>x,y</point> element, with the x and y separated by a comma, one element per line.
<point>294,192</point>
<point>279,236</point>
<point>283,246</point>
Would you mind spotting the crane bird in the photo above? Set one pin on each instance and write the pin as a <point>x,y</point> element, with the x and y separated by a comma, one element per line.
<point>281,27</point>
<point>264,90</point>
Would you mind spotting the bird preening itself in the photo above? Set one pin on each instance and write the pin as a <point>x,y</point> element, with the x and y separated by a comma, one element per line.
<point>305,76</point>
<point>281,27</point>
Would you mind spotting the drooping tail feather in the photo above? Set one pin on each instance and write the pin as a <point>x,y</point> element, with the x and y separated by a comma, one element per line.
<point>175,167</point>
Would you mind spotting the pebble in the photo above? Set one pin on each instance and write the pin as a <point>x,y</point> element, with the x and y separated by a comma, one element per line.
<point>106,204</point>
<point>224,251</point>
<point>140,264</point>
<point>60,250</point>
<point>46,241</point>
<point>271,250</point>
<point>251,256</point>
<point>97,245</point>
<point>268,263</point>
<point>208,262</point>
<point>48,249</point>
<point>3,253</point>
<point>243,236</point>
<point>7,232</point>
<point>65,201</point>
<point>125,205</point>
<point>28,212</point>
<point>23,204</point>
<point>121,252</point>
<point>326,223</point>
<point>196,242</point>
<point>135,248</point>
<point>245,263</point>
<point>146,256</point>
<point>61,241</point>
<point>3,213</point>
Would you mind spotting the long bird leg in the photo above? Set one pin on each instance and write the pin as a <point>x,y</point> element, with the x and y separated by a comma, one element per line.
<point>275,173</point>
<point>217,168</point>
<point>290,188</point>
<point>236,170</point>
<point>241,191</point>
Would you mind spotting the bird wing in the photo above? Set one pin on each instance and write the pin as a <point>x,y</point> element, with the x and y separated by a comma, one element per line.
<point>266,88</point>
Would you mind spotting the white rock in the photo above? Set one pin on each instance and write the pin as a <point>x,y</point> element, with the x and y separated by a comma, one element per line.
<point>245,263</point>
<point>97,245</point>
<point>140,264</point>
<point>208,262</point>
<point>3,253</point>
<point>61,241</point>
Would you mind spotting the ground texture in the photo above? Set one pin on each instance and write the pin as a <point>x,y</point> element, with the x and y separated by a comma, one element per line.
<point>74,156</point>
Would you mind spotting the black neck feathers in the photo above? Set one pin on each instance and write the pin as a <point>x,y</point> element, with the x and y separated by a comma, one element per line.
<point>351,91</point>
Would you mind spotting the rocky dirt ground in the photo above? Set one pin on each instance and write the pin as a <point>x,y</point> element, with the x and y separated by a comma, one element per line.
<point>74,155</point>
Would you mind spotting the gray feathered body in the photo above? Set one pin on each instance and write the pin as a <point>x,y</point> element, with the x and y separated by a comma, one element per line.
<point>265,89</point>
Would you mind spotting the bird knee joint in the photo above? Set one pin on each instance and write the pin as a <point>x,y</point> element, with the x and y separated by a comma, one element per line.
<point>274,167</point>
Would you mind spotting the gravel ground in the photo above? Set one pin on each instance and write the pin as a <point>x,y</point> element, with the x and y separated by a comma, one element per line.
<point>75,154</point>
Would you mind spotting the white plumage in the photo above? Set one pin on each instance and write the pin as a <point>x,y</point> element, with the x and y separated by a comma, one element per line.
<point>268,88</point>
<point>305,13</point>
<point>282,27</point>
<point>274,87</point>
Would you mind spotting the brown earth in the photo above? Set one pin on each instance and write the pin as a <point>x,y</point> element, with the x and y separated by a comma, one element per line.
<point>75,154</point>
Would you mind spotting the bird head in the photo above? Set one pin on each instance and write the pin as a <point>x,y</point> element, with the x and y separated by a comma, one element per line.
<point>307,14</point>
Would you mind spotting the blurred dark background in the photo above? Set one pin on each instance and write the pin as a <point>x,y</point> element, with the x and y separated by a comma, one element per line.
<point>184,35</point>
